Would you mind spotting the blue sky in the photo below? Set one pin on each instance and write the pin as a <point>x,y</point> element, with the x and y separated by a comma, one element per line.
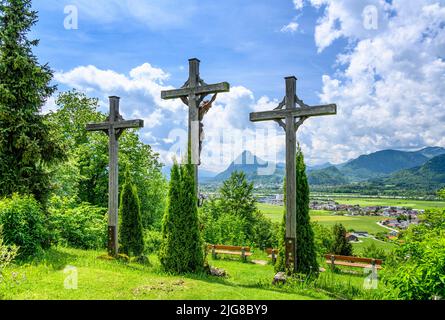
<point>137,48</point>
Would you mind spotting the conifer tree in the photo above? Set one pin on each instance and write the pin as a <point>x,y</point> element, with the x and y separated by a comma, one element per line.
<point>182,248</point>
<point>341,245</point>
<point>131,230</point>
<point>306,253</point>
<point>26,147</point>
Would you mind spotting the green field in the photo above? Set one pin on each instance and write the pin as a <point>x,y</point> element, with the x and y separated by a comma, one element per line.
<point>357,223</point>
<point>414,204</point>
<point>111,280</point>
<point>365,242</point>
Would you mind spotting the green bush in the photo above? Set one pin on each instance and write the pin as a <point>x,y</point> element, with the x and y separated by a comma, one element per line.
<point>265,232</point>
<point>131,231</point>
<point>83,227</point>
<point>417,269</point>
<point>153,240</point>
<point>323,239</point>
<point>24,225</point>
<point>232,218</point>
<point>372,251</point>
<point>7,253</point>
<point>182,250</point>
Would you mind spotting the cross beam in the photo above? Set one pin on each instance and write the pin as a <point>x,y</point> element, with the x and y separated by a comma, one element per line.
<point>289,111</point>
<point>195,90</point>
<point>113,127</point>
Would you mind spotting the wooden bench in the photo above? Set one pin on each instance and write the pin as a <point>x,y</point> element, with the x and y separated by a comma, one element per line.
<point>272,254</point>
<point>244,252</point>
<point>336,260</point>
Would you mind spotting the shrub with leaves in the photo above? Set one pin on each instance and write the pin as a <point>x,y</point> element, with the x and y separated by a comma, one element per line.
<point>7,253</point>
<point>372,251</point>
<point>24,225</point>
<point>323,239</point>
<point>152,240</point>
<point>82,227</point>
<point>417,269</point>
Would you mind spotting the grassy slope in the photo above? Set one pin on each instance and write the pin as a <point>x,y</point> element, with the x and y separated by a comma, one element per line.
<point>100,279</point>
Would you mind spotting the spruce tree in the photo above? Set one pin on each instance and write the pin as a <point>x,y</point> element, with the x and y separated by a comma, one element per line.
<point>306,253</point>
<point>182,248</point>
<point>131,230</point>
<point>26,147</point>
<point>341,245</point>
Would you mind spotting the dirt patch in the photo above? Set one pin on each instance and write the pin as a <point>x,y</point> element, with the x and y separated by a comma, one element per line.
<point>162,286</point>
<point>260,262</point>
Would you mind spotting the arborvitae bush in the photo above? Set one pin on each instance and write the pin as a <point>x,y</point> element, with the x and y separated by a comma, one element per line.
<point>306,253</point>
<point>341,245</point>
<point>24,225</point>
<point>182,247</point>
<point>131,234</point>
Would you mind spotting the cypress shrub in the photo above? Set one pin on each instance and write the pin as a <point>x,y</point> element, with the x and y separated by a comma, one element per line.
<point>182,248</point>
<point>131,230</point>
<point>306,253</point>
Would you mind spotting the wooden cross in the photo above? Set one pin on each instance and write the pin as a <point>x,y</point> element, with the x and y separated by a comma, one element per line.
<point>113,127</point>
<point>193,93</point>
<point>290,113</point>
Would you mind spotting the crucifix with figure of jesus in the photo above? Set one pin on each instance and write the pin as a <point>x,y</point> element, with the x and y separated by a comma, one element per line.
<point>193,93</point>
<point>293,117</point>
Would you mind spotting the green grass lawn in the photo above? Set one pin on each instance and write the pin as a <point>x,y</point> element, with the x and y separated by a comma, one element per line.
<point>113,280</point>
<point>109,280</point>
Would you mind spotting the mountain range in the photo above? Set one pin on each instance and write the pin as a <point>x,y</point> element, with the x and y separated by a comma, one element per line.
<point>399,169</point>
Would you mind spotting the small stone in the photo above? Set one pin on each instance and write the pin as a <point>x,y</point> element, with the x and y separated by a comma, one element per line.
<point>218,272</point>
<point>280,277</point>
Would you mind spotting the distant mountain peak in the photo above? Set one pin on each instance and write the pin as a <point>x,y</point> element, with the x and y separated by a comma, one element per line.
<point>431,152</point>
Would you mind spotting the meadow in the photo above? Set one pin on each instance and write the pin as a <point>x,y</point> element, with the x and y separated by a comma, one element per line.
<point>116,280</point>
<point>409,203</point>
<point>357,223</point>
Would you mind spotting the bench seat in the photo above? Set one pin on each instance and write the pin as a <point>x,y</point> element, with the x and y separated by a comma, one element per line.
<point>358,262</point>
<point>232,252</point>
<point>353,264</point>
<point>243,252</point>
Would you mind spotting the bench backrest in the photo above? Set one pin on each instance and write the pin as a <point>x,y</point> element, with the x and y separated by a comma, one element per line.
<point>354,259</point>
<point>229,248</point>
<point>270,251</point>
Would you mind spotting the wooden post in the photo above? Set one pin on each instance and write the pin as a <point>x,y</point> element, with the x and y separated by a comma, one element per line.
<point>113,181</point>
<point>214,252</point>
<point>194,119</point>
<point>290,125</point>
<point>113,127</point>
<point>291,189</point>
